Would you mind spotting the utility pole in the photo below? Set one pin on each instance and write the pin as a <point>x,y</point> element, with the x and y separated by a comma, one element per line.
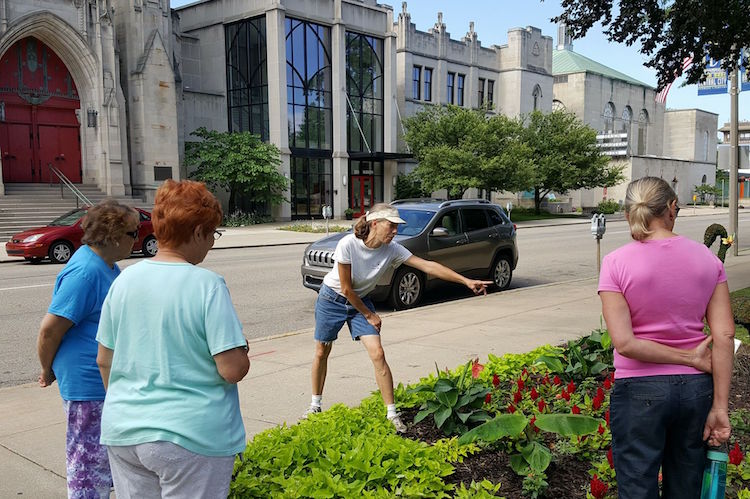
<point>733,158</point>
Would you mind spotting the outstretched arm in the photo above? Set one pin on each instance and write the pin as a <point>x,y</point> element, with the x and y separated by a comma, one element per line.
<point>446,274</point>
<point>617,315</point>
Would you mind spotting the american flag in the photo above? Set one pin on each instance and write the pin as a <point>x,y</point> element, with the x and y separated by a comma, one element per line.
<point>661,97</point>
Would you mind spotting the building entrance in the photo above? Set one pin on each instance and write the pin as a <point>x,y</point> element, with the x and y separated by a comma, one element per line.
<point>38,122</point>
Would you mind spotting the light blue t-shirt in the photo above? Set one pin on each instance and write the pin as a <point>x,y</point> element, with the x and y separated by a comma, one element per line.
<point>79,292</point>
<point>165,322</point>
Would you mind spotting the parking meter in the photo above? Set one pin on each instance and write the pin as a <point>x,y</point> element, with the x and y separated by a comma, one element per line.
<point>598,225</point>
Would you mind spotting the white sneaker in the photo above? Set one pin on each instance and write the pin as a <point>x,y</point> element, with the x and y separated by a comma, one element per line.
<point>312,409</point>
<point>398,424</point>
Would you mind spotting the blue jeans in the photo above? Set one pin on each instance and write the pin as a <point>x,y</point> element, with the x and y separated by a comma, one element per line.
<point>332,310</point>
<point>657,421</point>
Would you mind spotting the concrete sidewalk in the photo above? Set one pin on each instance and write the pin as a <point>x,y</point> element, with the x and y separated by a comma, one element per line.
<point>32,427</point>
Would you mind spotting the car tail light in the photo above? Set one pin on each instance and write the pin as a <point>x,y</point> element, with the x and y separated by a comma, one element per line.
<point>515,227</point>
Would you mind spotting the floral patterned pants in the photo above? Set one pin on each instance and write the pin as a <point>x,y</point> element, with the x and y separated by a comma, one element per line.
<point>87,463</point>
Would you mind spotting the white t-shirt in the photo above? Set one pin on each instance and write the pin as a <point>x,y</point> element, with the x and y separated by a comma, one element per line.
<point>368,264</point>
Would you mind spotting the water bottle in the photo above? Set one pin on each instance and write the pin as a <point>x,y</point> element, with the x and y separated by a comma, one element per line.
<point>715,474</point>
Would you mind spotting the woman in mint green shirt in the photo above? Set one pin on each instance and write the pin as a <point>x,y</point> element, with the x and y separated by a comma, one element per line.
<point>171,351</point>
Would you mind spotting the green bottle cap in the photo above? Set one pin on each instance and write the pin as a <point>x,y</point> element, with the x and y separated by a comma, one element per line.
<point>717,455</point>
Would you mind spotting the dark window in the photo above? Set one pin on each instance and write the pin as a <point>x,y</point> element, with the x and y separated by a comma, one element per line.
<point>428,84</point>
<point>308,74</point>
<point>162,173</point>
<point>490,93</point>
<point>416,77</point>
<point>460,90</point>
<point>311,186</point>
<point>480,92</point>
<point>364,87</point>
<point>474,219</point>
<point>495,218</point>
<point>247,77</point>
<point>449,89</point>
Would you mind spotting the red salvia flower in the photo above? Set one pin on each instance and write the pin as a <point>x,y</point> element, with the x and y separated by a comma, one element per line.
<point>516,397</point>
<point>600,430</point>
<point>511,408</point>
<point>600,393</point>
<point>575,409</point>
<point>736,455</point>
<point>545,379</point>
<point>607,384</point>
<point>571,387</point>
<point>541,405</point>
<point>534,394</point>
<point>532,425</point>
<point>564,394</point>
<point>524,372</point>
<point>598,488</point>
<point>610,459</point>
<point>488,398</point>
<point>556,380</point>
<point>495,380</point>
<point>476,368</point>
<point>520,384</point>
<point>606,417</point>
<point>596,404</point>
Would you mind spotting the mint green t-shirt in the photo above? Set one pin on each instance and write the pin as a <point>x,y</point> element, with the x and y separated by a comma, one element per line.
<point>165,322</point>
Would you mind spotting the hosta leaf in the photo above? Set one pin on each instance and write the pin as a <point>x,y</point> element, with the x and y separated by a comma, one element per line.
<point>519,464</point>
<point>444,385</point>
<point>553,364</point>
<point>567,424</point>
<point>448,398</point>
<point>463,416</point>
<point>537,455</point>
<point>422,414</point>
<point>598,367</point>
<point>503,425</point>
<point>479,417</point>
<point>606,340</point>
<point>441,415</point>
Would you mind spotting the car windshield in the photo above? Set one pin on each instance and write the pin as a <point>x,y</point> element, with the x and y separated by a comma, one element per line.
<point>415,221</point>
<point>69,218</point>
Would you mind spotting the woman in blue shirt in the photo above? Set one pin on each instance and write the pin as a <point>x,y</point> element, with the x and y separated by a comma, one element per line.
<point>67,341</point>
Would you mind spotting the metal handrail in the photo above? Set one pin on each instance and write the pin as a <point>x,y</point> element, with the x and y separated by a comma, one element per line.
<point>80,197</point>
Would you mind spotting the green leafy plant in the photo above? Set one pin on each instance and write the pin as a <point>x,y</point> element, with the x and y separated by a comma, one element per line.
<point>457,403</point>
<point>589,355</point>
<point>608,207</point>
<point>452,451</point>
<point>239,218</point>
<point>534,484</point>
<point>477,490</point>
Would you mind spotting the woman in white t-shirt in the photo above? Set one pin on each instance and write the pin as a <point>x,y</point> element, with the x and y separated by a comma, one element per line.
<point>361,259</point>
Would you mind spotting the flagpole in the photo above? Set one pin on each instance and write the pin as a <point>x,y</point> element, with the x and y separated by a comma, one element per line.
<point>733,157</point>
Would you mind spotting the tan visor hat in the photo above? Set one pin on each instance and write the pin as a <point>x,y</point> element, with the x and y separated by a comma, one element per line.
<point>390,214</point>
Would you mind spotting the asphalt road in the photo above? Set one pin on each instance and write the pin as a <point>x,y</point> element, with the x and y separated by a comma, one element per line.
<point>268,295</point>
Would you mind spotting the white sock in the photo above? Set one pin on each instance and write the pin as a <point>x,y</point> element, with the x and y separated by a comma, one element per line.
<point>391,408</point>
<point>316,400</point>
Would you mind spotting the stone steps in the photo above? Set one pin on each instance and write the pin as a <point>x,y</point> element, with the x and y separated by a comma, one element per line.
<point>25,206</point>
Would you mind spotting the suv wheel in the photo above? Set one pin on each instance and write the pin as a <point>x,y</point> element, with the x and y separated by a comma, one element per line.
<point>502,272</point>
<point>407,288</point>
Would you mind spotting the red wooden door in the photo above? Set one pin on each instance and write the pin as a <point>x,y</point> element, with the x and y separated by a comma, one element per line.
<point>58,146</point>
<point>363,193</point>
<point>16,145</point>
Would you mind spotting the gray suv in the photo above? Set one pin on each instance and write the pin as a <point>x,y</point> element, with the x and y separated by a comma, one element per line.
<point>471,236</point>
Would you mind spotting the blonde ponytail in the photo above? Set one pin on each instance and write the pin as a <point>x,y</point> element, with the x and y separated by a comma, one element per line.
<point>646,199</point>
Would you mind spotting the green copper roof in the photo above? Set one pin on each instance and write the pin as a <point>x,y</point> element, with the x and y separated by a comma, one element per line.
<point>569,62</point>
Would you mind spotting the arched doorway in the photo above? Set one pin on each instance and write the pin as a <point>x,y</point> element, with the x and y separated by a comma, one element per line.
<point>38,122</point>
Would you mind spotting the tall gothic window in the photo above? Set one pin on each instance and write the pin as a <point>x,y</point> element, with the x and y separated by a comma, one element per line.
<point>247,76</point>
<point>364,87</point>
<point>537,97</point>
<point>609,117</point>
<point>460,89</point>
<point>627,118</point>
<point>309,116</point>
<point>642,131</point>
<point>451,83</point>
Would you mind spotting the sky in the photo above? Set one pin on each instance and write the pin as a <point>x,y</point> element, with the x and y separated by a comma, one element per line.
<point>493,18</point>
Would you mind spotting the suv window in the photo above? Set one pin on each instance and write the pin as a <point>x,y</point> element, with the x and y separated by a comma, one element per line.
<point>495,217</point>
<point>449,221</point>
<point>474,219</point>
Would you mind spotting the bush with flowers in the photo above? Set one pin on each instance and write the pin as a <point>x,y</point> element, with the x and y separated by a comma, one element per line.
<point>535,413</point>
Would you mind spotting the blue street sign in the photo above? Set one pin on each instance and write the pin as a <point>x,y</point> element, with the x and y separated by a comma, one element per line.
<point>745,72</point>
<point>717,79</point>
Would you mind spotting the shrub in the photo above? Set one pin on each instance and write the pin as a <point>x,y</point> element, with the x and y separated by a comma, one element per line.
<point>608,207</point>
<point>240,219</point>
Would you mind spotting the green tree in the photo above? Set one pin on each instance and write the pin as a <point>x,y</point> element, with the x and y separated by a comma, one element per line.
<point>238,162</point>
<point>668,30</point>
<point>409,186</point>
<point>565,156</point>
<point>459,148</point>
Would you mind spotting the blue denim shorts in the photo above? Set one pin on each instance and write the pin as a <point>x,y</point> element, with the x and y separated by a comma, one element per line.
<point>332,310</point>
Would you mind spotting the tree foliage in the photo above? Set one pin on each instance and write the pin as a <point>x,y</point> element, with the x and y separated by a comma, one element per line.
<point>238,162</point>
<point>668,30</point>
<point>565,156</point>
<point>460,148</point>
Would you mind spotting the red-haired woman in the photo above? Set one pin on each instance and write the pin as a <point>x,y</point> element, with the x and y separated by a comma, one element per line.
<point>171,352</point>
<point>67,347</point>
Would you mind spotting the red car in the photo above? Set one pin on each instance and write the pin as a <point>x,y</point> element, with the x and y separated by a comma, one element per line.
<point>62,237</point>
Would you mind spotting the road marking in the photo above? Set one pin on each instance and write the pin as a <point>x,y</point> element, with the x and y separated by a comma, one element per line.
<point>262,353</point>
<point>27,287</point>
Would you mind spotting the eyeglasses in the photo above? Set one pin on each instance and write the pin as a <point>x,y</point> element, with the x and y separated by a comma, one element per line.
<point>676,209</point>
<point>133,234</point>
<point>217,235</point>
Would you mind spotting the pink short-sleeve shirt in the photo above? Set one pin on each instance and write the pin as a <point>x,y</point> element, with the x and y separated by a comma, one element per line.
<point>667,284</point>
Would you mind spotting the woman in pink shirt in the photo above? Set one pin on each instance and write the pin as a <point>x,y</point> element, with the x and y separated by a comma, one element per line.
<point>655,293</point>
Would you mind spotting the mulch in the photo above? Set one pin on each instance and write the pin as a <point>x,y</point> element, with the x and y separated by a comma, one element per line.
<point>567,476</point>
